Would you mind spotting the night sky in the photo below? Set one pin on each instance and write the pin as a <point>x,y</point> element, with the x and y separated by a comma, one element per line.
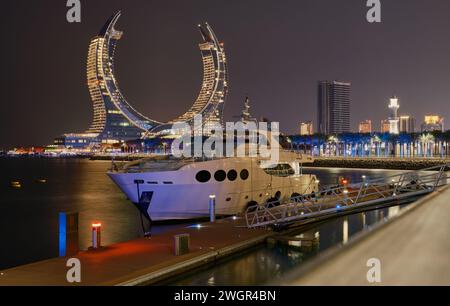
<point>277,51</point>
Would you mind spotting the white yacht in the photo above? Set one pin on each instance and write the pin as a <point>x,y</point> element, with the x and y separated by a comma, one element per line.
<point>168,188</point>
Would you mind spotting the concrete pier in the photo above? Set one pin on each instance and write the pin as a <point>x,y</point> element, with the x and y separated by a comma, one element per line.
<point>413,249</point>
<point>142,261</point>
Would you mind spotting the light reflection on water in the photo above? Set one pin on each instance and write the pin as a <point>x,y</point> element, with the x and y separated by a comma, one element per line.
<point>268,263</point>
<point>29,215</point>
<point>28,218</point>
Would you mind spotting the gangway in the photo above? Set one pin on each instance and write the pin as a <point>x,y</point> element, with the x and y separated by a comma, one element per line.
<point>344,198</point>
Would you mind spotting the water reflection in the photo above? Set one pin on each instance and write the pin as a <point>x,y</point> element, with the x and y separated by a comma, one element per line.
<point>29,218</point>
<point>270,262</point>
<point>345,231</point>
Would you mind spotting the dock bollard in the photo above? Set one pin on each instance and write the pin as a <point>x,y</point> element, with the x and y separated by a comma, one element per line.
<point>96,235</point>
<point>182,244</point>
<point>68,234</point>
<point>212,208</point>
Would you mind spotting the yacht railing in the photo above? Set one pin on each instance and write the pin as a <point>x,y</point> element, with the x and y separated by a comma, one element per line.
<point>369,192</point>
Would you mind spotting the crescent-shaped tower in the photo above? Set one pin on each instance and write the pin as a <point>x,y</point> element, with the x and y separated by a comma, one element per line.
<point>114,118</point>
<point>213,92</point>
<point>116,121</point>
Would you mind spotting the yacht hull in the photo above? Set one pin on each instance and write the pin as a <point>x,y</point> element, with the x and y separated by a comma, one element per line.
<point>174,195</point>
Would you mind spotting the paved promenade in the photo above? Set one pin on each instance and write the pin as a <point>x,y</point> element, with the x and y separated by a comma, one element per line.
<point>141,261</point>
<point>413,249</point>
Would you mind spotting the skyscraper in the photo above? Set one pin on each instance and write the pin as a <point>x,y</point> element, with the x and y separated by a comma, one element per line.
<point>407,124</point>
<point>114,118</point>
<point>393,117</point>
<point>333,107</point>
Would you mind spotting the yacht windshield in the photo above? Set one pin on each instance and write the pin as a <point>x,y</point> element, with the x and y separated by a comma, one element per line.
<point>281,170</point>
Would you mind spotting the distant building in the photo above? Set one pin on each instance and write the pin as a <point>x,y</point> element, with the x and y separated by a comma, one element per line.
<point>365,127</point>
<point>306,128</point>
<point>333,107</point>
<point>393,117</point>
<point>385,126</point>
<point>433,123</point>
<point>407,124</point>
<point>74,141</point>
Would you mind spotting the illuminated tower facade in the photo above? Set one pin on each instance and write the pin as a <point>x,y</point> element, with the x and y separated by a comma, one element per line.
<point>211,99</point>
<point>407,124</point>
<point>393,117</point>
<point>116,121</point>
<point>114,118</point>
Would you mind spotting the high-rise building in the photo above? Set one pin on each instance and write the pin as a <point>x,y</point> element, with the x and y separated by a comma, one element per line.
<point>407,124</point>
<point>433,123</point>
<point>365,127</point>
<point>116,121</point>
<point>393,117</point>
<point>333,107</point>
<point>385,126</point>
<point>306,128</point>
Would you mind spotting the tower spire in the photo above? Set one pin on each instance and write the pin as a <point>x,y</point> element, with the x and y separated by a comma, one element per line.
<point>246,116</point>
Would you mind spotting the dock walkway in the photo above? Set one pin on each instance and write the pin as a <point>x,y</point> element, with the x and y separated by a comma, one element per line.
<point>142,261</point>
<point>413,249</point>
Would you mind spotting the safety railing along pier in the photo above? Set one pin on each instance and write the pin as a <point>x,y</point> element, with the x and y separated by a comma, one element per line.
<point>368,192</point>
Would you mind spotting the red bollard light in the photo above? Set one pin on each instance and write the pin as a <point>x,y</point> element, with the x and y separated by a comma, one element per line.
<point>96,235</point>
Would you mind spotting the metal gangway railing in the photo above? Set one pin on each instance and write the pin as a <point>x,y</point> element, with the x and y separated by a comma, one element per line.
<point>369,192</point>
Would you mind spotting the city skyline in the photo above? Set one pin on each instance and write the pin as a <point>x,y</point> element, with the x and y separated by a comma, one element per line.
<point>374,57</point>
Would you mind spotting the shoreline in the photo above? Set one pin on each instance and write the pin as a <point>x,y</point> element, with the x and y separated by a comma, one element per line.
<point>378,163</point>
<point>320,162</point>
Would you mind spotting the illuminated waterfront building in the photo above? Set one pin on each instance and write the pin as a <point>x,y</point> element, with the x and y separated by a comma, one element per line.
<point>385,126</point>
<point>407,124</point>
<point>306,128</point>
<point>433,123</point>
<point>75,141</point>
<point>393,117</point>
<point>365,127</point>
<point>116,121</point>
<point>333,107</point>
